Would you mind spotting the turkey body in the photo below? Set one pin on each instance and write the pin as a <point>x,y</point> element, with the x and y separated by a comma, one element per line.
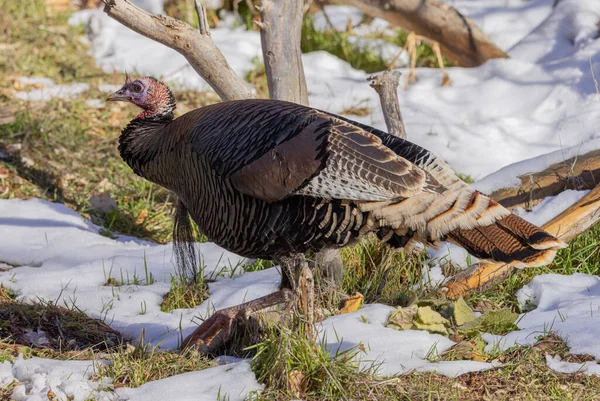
<point>266,179</point>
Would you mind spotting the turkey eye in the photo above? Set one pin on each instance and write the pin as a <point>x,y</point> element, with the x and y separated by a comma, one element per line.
<point>137,87</point>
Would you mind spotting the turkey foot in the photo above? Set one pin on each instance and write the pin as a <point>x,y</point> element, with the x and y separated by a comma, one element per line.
<point>214,331</point>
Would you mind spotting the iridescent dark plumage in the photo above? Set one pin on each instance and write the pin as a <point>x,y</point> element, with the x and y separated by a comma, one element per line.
<point>272,179</point>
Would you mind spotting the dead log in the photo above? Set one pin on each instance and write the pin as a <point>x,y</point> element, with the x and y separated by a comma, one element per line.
<point>579,173</point>
<point>461,40</point>
<point>197,47</point>
<point>280,34</point>
<point>572,222</point>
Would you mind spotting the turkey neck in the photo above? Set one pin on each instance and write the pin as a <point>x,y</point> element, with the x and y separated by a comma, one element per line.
<point>141,141</point>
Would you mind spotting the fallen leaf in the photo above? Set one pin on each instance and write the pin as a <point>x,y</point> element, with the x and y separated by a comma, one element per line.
<point>493,322</point>
<point>402,318</point>
<point>462,313</point>
<point>430,320</point>
<point>141,217</point>
<point>352,304</point>
<point>298,383</point>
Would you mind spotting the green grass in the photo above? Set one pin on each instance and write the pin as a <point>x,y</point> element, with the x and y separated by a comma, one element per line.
<point>338,44</point>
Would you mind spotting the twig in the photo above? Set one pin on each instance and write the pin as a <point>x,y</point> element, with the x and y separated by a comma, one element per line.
<point>386,85</point>
<point>202,18</point>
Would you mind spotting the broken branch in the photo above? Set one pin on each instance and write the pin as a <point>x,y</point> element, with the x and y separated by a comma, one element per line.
<point>280,33</point>
<point>198,48</point>
<point>386,85</point>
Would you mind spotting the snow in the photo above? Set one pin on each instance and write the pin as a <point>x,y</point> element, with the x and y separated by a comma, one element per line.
<point>508,176</point>
<point>46,89</point>
<point>392,351</point>
<point>589,368</point>
<point>72,380</point>
<point>552,206</point>
<point>36,376</point>
<point>339,16</point>
<point>227,382</point>
<point>566,305</point>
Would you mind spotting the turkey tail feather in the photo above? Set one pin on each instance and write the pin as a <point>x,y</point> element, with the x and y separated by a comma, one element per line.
<point>511,240</point>
<point>184,247</point>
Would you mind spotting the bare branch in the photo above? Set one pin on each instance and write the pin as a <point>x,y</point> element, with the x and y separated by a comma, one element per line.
<point>199,49</point>
<point>386,85</point>
<point>202,18</point>
<point>579,172</point>
<point>280,34</point>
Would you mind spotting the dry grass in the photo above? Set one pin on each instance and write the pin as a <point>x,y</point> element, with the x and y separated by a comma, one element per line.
<point>45,325</point>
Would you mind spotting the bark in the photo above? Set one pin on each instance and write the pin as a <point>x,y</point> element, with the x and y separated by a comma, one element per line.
<point>280,33</point>
<point>572,222</point>
<point>461,41</point>
<point>580,172</point>
<point>386,86</point>
<point>198,48</point>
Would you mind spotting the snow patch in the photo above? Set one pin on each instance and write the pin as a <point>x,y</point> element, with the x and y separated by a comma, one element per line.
<point>566,305</point>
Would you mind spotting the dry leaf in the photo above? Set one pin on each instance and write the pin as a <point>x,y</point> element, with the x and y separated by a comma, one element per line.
<point>402,318</point>
<point>446,80</point>
<point>141,217</point>
<point>298,383</point>
<point>352,304</point>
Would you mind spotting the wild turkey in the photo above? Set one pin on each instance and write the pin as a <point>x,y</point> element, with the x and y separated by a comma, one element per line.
<point>275,180</point>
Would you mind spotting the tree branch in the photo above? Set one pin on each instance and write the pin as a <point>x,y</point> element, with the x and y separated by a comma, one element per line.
<point>462,42</point>
<point>280,33</point>
<point>198,48</point>
<point>386,85</point>
<point>202,18</point>
<point>579,172</point>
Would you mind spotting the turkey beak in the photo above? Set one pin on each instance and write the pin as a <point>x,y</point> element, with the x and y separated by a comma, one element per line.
<point>119,96</point>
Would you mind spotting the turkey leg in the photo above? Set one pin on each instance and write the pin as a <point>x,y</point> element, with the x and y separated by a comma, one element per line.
<point>217,329</point>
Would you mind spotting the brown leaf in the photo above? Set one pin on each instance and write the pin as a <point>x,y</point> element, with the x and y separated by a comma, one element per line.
<point>298,383</point>
<point>352,304</point>
<point>446,80</point>
<point>141,217</point>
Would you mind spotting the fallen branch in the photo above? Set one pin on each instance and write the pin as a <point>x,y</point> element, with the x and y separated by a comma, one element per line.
<point>461,41</point>
<point>572,222</point>
<point>579,172</point>
<point>386,86</point>
<point>198,48</point>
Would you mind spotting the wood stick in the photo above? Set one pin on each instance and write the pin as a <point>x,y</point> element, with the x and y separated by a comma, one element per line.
<point>579,172</point>
<point>569,224</point>
<point>198,48</point>
<point>280,33</point>
<point>202,18</point>
<point>386,85</point>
